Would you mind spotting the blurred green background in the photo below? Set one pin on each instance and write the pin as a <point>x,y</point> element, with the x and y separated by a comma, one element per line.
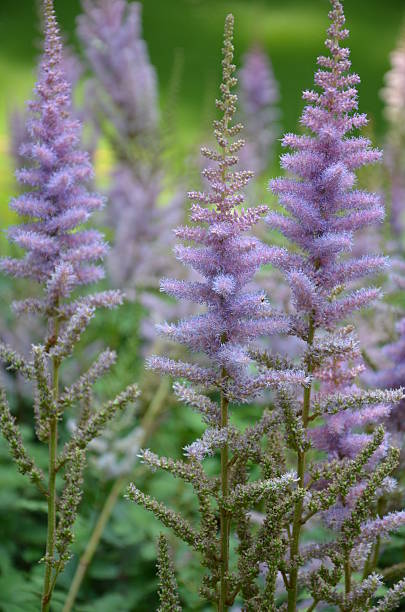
<point>291,30</point>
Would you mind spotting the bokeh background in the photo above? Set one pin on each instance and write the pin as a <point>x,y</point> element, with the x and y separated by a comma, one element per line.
<point>183,36</point>
<point>292,31</point>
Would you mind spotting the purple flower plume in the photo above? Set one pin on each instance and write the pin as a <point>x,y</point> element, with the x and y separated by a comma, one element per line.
<point>124,93</point>
<point>259,96</point>
<point>226,258</point>
<point>111,33</point>
<point>18,118</point>
<point>324,207</point>
<point>59,251</point>
<point>323,210</point>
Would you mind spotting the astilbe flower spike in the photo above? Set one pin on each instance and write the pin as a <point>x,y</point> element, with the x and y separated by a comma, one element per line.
<point>17,120</point>
<point>124,92</point>
<point>124,108</point>
<point>58,202</point>
<point>323,211</point>
<point>111,33</point>
<point>259,97</point>
<point>61,254</point>
<point>226,258</point>
<point>23,332</point>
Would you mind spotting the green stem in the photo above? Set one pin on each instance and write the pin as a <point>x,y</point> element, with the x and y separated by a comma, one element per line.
<point>53,452</point>
<point>147,424</point>
<point>348,577</point>
<point>297,521</point>
<point>224,516</point>
<point>374,561</point>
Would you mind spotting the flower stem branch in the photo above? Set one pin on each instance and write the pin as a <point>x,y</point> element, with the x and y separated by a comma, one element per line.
<point>224,518</point>
<point>297,522</point>
<point>53,456</point>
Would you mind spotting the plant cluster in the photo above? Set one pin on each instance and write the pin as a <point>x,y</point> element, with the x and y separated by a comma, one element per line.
<point>61,255</point>
<point>294,483</point>
<point>323,212</point>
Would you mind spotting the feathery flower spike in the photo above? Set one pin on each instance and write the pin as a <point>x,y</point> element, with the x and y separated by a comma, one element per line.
<point>57,202</point>
<point>226,257</point>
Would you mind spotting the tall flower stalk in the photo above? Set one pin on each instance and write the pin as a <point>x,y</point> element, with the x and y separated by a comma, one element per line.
<point>61,254</point>
<point>259,98</point>
<point>23,332</point>
<point>125,109</point>
<point>324,212</point>
<point>226,257</point>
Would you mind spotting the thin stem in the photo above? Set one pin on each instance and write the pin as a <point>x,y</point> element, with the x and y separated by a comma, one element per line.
<point>147,425</point>
<point>312,606</point>
<point>369,361</point>
<point>55,575</point>
<point>372,559</point>
<point>297,521</point>
<point>285,579</point>
<point>309,515</point>
<point>224,516</point>
<point>50,542</point>
<point>348,576</point>
<point>53,455</point>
